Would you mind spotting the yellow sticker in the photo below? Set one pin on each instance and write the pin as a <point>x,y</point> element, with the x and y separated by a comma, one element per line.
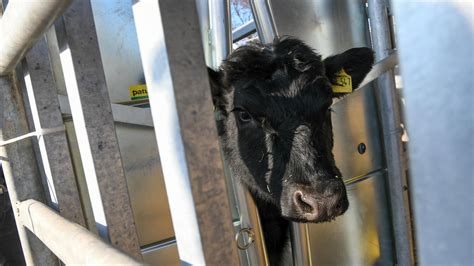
<point>138,92</point>
<point>343,82</point>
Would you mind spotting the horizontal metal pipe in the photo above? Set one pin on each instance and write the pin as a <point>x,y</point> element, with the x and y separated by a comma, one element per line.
<point>23,22</point>
<point>72,243</point>
<point>121,113</point>
<point>244,31</point>
<point>359,178</point>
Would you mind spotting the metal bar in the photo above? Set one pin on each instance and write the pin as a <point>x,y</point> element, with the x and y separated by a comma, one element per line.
<point>239,197</point>
<point>41,89</point>
<point>221,36</point>
<point>121,113</point>
<point>437,69</point>
<point>179,92</point>
<point>19,166</point>
<point>301,247</point>
<point>159,245</point>
<point>95,130</point>
<point>360,178</point>
<point>204,24</point>
<point>72,243</point>
<point>23,22</point>
<point>391,128</point>
<point>382,66</point>
<point>47,186</point>
<point>263,16</point>
<point>244,31</point>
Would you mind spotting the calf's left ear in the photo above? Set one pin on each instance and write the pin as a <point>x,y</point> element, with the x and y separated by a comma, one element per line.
<point>346,71</point>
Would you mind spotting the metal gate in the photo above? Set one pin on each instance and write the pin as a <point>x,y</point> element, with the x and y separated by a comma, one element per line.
<point>81,153</point>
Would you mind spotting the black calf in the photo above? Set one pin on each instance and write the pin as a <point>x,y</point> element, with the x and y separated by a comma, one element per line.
<point>274,119</point>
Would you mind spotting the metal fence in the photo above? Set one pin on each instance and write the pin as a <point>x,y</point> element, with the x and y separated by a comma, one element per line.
<point>176,40</point>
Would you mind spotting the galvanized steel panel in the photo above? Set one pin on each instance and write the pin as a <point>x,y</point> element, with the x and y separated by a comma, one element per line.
<point>362,236</point>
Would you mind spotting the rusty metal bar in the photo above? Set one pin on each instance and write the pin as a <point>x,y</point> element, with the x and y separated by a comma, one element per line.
<point>22,24</point>
<point>95,130</point>
<point>181,105</point>
<point>19,165</point>
<point>72,243</point>
<point>42,96</point>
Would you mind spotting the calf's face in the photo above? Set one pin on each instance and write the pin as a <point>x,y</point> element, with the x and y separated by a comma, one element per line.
<point>273,106</point>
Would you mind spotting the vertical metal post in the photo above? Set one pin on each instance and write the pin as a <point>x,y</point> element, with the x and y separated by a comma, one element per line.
<point>392,131</point>
<point>181,105</point>
<point>203,15</point>
<point>300,244</point>
<point>20,168</point>
<point>221,35</point>
<point>263,16</point>
<point>49,192</point>
<point>221,43</point>
<point>42,96</point>
<point>95,130</point>
<point>435,41</point>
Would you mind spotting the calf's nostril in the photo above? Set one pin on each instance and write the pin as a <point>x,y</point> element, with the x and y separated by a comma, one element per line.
<point>306,204</point>
<point>300,202</point>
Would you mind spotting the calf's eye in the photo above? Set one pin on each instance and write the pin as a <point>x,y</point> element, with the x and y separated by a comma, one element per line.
<point>244,116</point>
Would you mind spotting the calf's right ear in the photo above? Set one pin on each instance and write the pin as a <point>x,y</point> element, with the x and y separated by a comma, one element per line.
<point>215,80</point>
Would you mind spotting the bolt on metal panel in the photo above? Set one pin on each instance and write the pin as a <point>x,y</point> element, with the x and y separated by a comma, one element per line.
<point>42,95</point>
<point>95,130</point>
<point>181,105</point>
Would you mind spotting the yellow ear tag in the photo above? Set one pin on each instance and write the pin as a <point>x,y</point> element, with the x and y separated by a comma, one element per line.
<point>343,82</point>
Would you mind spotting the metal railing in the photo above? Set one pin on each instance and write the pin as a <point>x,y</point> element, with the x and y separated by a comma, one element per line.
<point>21,28</point>
<point>70,242</point>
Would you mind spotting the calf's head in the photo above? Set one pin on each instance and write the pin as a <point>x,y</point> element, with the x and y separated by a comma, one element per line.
<point>273,105</point>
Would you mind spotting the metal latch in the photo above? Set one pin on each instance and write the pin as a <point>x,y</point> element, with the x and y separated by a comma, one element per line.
<point>244,238</point>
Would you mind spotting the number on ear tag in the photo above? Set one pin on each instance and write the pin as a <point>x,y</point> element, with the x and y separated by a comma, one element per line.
<point>342,82</point>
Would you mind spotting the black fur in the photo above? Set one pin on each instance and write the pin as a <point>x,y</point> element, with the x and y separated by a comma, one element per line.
<point>273,103</point>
